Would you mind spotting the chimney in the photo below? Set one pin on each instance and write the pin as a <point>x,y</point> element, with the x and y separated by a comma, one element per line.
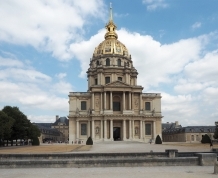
<point>57,117</point>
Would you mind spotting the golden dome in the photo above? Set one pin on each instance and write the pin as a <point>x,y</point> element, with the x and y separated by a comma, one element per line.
<point>111,45</point>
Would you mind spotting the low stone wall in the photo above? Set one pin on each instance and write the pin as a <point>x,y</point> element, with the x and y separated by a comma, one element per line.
<point>103,159</point>
<point>207,159</point>
<point>100,163</point>
<point>216,167</point>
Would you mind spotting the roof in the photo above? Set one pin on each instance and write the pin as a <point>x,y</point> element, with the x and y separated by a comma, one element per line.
<point>190,129</point>
<point>47,130</point>
<point>63,120</point>
<point>171,125</point>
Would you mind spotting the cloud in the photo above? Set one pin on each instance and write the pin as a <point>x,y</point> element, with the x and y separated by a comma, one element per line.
<point>155,4</point>
<point>183,67</point>
<point>61,75</point>
<point>42,118</point>
<point>32,90</point>
<point>196,25</point>
<point>121,15</point>
<point>47,25</point>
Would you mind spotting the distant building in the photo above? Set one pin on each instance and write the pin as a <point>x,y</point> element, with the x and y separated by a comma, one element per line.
<point>55,132</point>
<point>173,132</point>
<point>62,125</point>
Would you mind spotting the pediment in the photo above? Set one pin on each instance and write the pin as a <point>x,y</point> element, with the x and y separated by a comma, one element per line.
<point>117,84</point>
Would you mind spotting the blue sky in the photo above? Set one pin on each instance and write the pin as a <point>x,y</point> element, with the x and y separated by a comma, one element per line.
<point>46,46</point>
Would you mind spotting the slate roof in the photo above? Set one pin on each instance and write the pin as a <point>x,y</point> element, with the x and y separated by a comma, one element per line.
<point>170,126</point>
<point>63,120</point>
<point>190,129</point>
<point>47,130</point>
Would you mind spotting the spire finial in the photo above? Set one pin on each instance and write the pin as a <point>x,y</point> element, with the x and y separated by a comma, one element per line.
<point>111,16</point>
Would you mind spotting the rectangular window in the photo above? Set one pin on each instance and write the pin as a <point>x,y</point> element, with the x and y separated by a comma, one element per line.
<point>107,80</point>
<point>147,129</point>
<point>83,105</point>
<point>83,129</point>
<point>120,78</point>
<point>147,106</point>
<point>96,81</point>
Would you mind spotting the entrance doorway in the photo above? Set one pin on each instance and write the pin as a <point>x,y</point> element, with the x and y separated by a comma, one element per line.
<point>116,134</point>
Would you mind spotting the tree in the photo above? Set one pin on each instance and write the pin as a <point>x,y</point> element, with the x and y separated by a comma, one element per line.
<point>205,139</point>
<point>6,124</point>
<point>215,136</point>
<point>89,141</point>
<point>35,141</point>
<point>33,131</point>
<point>22,127</point>
<point>158,140</point>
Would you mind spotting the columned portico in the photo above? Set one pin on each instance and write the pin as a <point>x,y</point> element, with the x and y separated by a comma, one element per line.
<point>111,130</point>
<point>130,130</point>
<point>105,100</point>
<point>130,103</point>
<point>111,101</point>
<point>102,137</point>
<point>141,137</point>
<point>124,103</point>
<point>105,130</point>
<point>133,130</point>
<point>77,129</point>
<point>93,129</point>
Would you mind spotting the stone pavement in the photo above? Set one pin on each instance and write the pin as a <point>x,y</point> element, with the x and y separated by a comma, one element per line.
<point>120,146</point>
<point>110,172</point>
<point>122,172</point>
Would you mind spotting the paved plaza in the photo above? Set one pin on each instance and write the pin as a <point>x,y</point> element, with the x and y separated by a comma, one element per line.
<point>121,172</point>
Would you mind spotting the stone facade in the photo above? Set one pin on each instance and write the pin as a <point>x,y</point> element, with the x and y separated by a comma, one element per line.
<point>114,107</point>
<point>172,132</point>
<point>62,125</point>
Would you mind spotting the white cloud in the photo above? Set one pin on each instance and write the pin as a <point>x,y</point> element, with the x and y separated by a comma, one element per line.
<point>47,25</point>
<point>184,65</point>
<point>121,15</point>
<point>23,75</point>
<point>196,25</point>
<point>7,62</point>
<point>42,118</point>
<point>32,90</point>
<point>155,4</point>
<point>62,87</point>
<point>83,50</point>
<point>61,75</point>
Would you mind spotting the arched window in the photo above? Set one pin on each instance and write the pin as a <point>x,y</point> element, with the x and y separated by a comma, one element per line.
<point>107,62</point>
<point>119,62</point>
<point>97,63</point>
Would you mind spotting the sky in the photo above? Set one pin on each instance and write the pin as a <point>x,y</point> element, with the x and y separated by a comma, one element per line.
<point>46,46</point>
